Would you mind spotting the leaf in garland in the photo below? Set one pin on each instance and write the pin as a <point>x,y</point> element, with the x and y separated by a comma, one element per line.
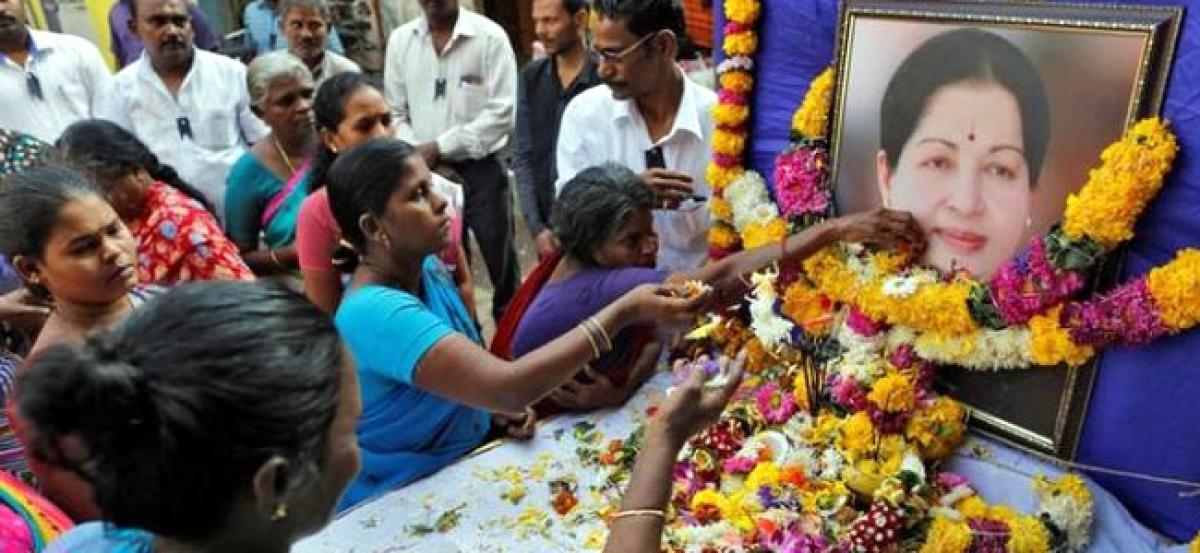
<point>1070,255</point>
<point>983,309</point>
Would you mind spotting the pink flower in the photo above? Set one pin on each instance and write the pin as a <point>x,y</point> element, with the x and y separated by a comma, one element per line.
<point>775,405</point>
<point>731,97</point>
<point>800,181</point>
<point>848,393</point>
<point>794,540</point>
<point>733,27</point>
<point>1026,285</point>
<point>862,324</point>
<point>726,160</point>
<point>739,465</point>
<point>951,480</point>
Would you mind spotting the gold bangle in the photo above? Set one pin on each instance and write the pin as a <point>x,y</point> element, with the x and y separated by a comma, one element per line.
<point>640,513</point>
<point>275,259</point>
<point>603,334</point>
<point>591,340</point>
<point>600,327</point>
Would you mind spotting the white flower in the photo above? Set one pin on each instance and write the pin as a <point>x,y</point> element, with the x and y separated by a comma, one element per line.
<point>745,194</point>
<point>803,457</point>
<point>900,287</point>
<point>770,328</point>
<point>832,463</point>
<point>745,63</point>
<point>697,538</point>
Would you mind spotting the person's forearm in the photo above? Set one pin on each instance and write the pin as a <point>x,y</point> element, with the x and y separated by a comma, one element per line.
<point>271,262</point>
<point>323,289</point>
<point>506,386</point>
<point>728,273</point>
<point>649,489</point>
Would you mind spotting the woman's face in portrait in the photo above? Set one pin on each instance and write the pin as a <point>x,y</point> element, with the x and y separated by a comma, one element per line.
<point>964,176</point>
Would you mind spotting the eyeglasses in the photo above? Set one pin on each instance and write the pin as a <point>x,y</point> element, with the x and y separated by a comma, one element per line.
<point>614,57</point>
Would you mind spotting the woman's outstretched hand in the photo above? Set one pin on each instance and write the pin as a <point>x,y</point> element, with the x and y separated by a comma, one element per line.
<point>664,304</point>
<point>694,405</point>
<point>882,228</point>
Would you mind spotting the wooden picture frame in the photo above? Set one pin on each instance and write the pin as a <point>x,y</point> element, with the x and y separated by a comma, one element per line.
<point>1102,67</point>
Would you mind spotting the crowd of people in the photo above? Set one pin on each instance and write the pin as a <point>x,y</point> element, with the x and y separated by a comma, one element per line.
<point>237,297</point>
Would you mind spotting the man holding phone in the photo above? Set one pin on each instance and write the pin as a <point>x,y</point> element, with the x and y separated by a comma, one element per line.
<point>650,118</point>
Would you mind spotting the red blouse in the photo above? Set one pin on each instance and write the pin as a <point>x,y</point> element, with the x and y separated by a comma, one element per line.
<point>178,240</point>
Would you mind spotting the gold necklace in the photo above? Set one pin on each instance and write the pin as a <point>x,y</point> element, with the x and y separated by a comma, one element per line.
<point>283,154</point>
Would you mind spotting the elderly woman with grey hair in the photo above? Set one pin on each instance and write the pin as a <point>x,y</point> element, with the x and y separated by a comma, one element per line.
<point>268,184</point>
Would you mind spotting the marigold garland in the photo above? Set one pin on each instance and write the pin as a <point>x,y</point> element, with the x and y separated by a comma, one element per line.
<point>811,121</point>
<point>863,469</point>
<point>1129,176</point>
<point>730,116</point>
<point>991,325</point>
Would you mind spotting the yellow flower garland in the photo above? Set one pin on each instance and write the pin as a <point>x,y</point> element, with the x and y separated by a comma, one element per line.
<point>941,309</point>
<point>730,115</point>
<point>725,142</point>
<point>760,234</point>
<point>1105,209</point>
<point>1130,174</point>
<point>1050,344</point>
<point>1176,289</point>
<point>737,81</point>
<point>740,44</point>
<point>947,536</point>
<point>723,236</point>
<point>811,121</point>
<point>742,11</point>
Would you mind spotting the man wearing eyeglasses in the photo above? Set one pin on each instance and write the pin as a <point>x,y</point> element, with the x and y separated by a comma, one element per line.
<point>650,118</point>
<point>47,80</point>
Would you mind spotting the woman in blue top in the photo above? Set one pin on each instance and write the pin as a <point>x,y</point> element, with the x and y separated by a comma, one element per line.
<point>427,383</point>
<point>266,187</point>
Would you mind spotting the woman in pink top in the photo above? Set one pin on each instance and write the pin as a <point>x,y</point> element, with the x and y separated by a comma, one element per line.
<point>349,110</point>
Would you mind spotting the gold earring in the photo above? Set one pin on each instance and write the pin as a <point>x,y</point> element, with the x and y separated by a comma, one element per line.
<point>281,512</point>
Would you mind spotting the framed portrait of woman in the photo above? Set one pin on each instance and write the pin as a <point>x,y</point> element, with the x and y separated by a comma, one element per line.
<point>980,118</point>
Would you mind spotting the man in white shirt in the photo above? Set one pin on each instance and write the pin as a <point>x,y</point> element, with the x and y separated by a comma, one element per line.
<point>47,80</point>
<point>395,13</point>
<point>451,76</point>
<point>189,106</point>
<point>306,24</point>
<point>650,118</point>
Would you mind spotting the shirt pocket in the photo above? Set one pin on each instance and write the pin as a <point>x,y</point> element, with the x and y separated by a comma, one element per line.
<point>215,129</point>
<point>469,100</point>
<point>678,229</point>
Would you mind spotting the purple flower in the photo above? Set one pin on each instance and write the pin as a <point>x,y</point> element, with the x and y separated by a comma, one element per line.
<point>1127,315</point>
<point>990,535</point>
<point>1029,283</point>
<point>794,540</point>
<point>888,423</point>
